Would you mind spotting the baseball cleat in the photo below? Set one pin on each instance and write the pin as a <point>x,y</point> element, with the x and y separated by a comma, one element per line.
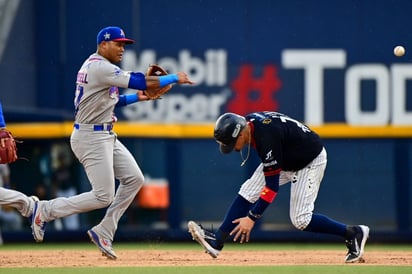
<point>38,225</point>
<point>356,244</point>
<point>103,244</point>
<point>204,238</point>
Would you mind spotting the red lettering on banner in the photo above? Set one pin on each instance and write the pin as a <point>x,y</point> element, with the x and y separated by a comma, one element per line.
<point>253,93</point>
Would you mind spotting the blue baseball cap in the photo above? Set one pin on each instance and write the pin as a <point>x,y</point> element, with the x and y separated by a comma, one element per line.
<point>113,34</point>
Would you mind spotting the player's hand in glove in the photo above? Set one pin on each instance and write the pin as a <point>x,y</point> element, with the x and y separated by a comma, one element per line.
<point>8,149</point>
<point>154,91</point>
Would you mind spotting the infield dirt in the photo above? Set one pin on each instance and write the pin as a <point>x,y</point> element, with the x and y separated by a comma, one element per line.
<point>87,258</point>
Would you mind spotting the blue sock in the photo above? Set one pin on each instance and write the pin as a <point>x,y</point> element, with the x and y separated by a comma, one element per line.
<point>239,208</point>
<point>323,224</point>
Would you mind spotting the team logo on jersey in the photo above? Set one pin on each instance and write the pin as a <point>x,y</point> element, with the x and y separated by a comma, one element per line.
<point>114,92</point>
<point>269,155</point>
<point>267,121</point>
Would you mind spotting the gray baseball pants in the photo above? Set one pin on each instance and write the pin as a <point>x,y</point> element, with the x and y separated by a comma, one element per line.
<point>17,200</point>
<point>104,158</point>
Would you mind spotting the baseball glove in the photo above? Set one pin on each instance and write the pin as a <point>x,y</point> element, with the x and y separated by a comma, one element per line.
<point>8,149</point>
<point>155,93</point>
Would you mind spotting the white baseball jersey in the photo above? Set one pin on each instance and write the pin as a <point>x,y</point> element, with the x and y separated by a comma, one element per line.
<point>97,90</point>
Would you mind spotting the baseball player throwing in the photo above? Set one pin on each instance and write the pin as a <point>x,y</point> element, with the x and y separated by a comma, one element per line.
<point>96,146</point>
<point>289,152</point>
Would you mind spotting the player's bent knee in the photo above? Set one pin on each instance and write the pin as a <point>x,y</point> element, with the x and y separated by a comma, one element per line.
<point>104,199</point>
<point>139,180</point>
<point>301,221</point>
<point>136,179</point>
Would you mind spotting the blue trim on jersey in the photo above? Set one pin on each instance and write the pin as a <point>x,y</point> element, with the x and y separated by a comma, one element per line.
<point>168,79</point>
<point>127,99</point>
<point>137,81</point>
<point>2,122</point>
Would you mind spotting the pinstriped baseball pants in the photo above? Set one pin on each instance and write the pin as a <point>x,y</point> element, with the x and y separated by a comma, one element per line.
<point>303,192</point>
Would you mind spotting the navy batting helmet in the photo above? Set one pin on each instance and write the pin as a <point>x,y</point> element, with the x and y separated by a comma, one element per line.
<point>227,129</point>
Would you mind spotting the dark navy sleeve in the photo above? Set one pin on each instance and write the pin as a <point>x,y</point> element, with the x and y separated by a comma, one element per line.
<point>268,145</point>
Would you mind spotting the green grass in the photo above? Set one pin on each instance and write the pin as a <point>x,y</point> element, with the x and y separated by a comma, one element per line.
<point>335,269</point>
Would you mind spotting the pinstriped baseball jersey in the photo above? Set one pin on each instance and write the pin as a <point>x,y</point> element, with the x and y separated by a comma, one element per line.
<point>294,152</point>
<point>97,90</point>
<point>282,142</point>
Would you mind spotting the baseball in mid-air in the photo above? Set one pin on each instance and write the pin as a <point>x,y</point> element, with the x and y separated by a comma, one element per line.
<point>399,51</point>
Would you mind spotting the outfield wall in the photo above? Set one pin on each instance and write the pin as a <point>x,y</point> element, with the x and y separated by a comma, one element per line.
<point>361,185</point>
<point>328,64</point>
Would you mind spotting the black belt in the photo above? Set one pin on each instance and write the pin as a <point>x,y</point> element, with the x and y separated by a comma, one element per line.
<point>102,127</point>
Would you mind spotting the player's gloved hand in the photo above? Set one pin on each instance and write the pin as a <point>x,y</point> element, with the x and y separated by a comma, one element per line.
<point>8,149</point>
<point>156,93</point>
<point>242,230</point>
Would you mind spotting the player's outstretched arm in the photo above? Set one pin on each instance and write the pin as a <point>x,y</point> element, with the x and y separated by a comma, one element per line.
<point>160,84</point>
<point>153,82</point>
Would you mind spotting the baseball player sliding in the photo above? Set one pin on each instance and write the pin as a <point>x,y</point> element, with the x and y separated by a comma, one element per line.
<point>289,152</point>
<point>95,144</point>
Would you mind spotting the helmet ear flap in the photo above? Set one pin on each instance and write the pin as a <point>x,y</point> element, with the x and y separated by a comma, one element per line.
<point>227,130</point>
